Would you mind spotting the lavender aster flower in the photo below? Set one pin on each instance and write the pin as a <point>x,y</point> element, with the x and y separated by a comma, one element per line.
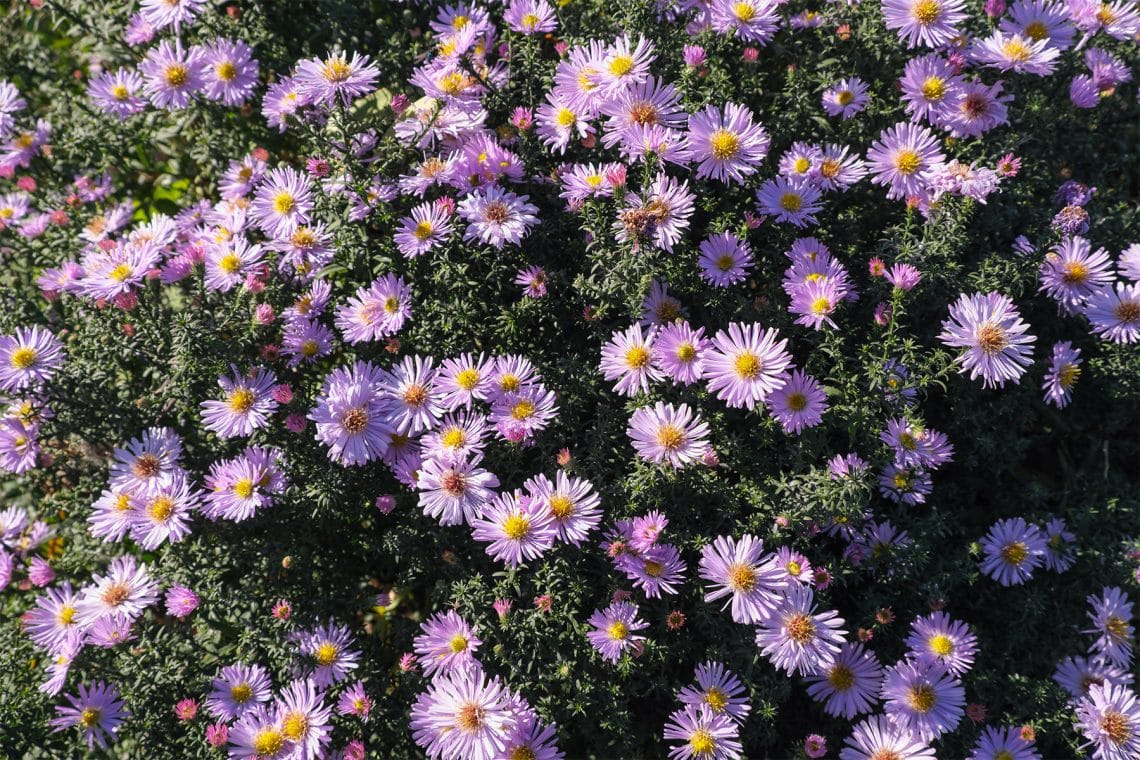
<point>1013,550</point>
<point>924,699</point>
<point>171,75</point>
<point>849,686</point>
<point>704,735</point>
<point>725,143</point>
<point>247,406</point>
<point>1114,314</point>
<point>797,639</point>
<point>96,710</point>
<point>741,570</point>
<point>991,330</point>
<point>335,78</point>
<point>745,364</point>
<point>669,434</point>
<point>613,630</point>
<point>1109,717</point>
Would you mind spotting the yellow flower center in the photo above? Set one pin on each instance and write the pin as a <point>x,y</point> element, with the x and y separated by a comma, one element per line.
<point>744,12</point>
<point>453,438</point>
<point>89,717</point>
<point>423,230</point>
<point>336,70</point>
<point>702,743</point>
<point>120,92</point>
<point>841,678</point>
<point>326,654</point>
<point>23,357</point>
<point>241,400</point>
<point>467,379</point>
<point>1016,50</point>
<point>801,164</point>
<point>530,21</point>
<point>686,352</point>
<point>244,488</point>
<point>176,75</point>
<point>844,97</point>
<point>66,615</point>
<point>1036,31</point>
<point>516,527</point>
<point>748,366</point>
<point>921,698</point>
<point>354,420</point>
<point>1068,374</point>
<point>670,437</point>
<point>1117,627</point>
<point>741,578</point>
<point>926,12</point>
<point>992,338</point>
<point>1116,726</point>
<point>295,726</point>
<point>907,161</point>
<point>716,699</point>
<point>283,202</point>
<point>621,65</point>
<point>561,506</point>
<point>637,357</point>
<point>230,263</point>
<point>268,742</point>
<point>241,693</point>
<point>800,627</point>
<point>226,71</point>
<point>457,644</point>
<point>933,88</point>
<point>565,118</point>
<point>1015,553</point>
<point>522,410</point>
<point>470,717</point>
<point>941,645</point>
<point>724,144</point>
<point>618,631</point>
<point>792,202</point>
<point>161,508</point>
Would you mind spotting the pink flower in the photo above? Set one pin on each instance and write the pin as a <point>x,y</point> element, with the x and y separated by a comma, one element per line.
<point>386,503</point>
<point>217,734</point>
<point>282,610</point>
<point>815,746</point>
<point>407,662</point>
<point>186,709</point>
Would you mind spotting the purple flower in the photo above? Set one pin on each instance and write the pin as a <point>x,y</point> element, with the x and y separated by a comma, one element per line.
<point>792,201</point>
<point>376,311</point>
<point>936,639</point>
<point>96,710</point>
<point>117,93</point>
<point>464,714</point>
<point>930,23</point>
<point>795,638</point>
<point>172,75</point>
<point>229,71</point>
<point>849,686</point>
<point>990,329</point>
<point>719,690</point>
<point>725,259</point>
<point>1013,550</point>
<point>924,699</point>
<point>1109,717</point>
<point>181,601</point>
<point>880,737</point>
<point>126,589</point>
<point>1111,615</point>
<point>799,404</point>
<point>352,414</point>
<point>902,157</point>
<point>613,630</point>
<point>659,216</point>
<point>163,13</point>
<point>704,735</point>
<point>29,358</point>
<point>741,570</point>
<point>628,358</point>
<point>497,217</point>
<point>726,144</point>
<point>745,364</point>
<point>1114,314</point>
<point>327,653</point>
<point>1062,374</point>
<point>571,502</point>
<point>283,202</point>
<point>845,98</point>
<point>455,490</point>
<point>530,17</point>
<point>247,406</point>
<point>446,644</point>
<point>516,527</point>
<point>1071,220</point>
<point>668,434</point>
<point>336,78</point>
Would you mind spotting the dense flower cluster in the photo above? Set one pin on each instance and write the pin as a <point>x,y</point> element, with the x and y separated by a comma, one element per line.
<point>517,381</point>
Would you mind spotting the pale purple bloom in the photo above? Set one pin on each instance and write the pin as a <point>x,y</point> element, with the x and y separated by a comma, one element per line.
<point>879,737</point>
<point>670,434</point>
<point>628,358</point>
<point>741,570</point>
<point>902,157</point>
<point>798,404</point>
<point>613,630</point>
<point>375,311</point>
<point>1111,615</point>
<point>337,77</point>
<point>745,364</point>
<point>725,259</point>
<point>845,98</point>
<point>797,639</point>
<point>455,491</point>
<point>328,653</point>
<point>464,714</point>
<point>1062,374</point>
<point>164,515</point>
<point>1013,550</point>
<point>924,699</point>
<point>573,505</point>
<point>238,488</point>
<point>659,215</point>
<point>247,406</point>
<point>172,75</point>
<point>517,528</point>
<point>1059,555</point>
<point>1114,314</point>
<point>97,710</point>
<point>117,93</point>
<point>719,690</point>
<point>725,143</point>
<point>938,639</point>
<point>1109,717</point>
<point>29,358</point>
<point>229,71</point>
<point>352,414</point>
<point>929,23</point>
<point>849,686</point>
<point>703,735</point>
<point>678,352</point>
<point>989,327</point>
<point>283,202</point>
<point>446,644</point>
<point>497,217</point>
<point>789,201</point>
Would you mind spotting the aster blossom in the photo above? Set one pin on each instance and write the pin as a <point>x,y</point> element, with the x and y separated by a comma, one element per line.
<point>989,327</point>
